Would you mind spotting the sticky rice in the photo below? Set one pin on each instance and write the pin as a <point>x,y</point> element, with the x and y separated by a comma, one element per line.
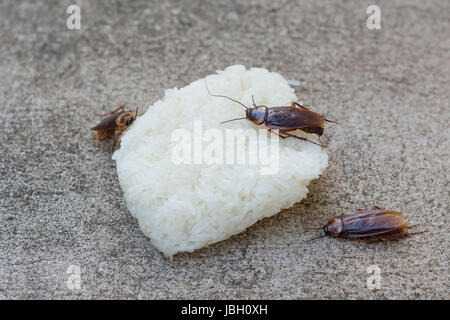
<point>177,178</point>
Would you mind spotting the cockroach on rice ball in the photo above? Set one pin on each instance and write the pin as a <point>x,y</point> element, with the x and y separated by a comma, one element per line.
<point>283,118</point>
<point>184,206</point>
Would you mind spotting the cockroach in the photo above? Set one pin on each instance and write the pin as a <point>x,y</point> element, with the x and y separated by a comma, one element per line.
<point>115,123</point>
<point>370,225</point>
<point>283,118</point>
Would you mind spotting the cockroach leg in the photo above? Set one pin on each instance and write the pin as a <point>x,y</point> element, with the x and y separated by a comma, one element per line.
<point>121,108</point>
<point>413,233</point>
<point>331,121</point>
<point>367,240</point>
<point>295,104</point>
<point>304,139</point>
<point>287,135</point>
<point>117,140</point>
<point>400,235</point>
<point>277,133</point>
<point>412,227</point>
<point>381,238</point>
<point>102,135</point>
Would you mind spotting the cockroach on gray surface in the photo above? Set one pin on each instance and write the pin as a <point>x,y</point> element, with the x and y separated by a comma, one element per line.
<point>370,225</point>
<point>283,118</point>
<point>116,123</point>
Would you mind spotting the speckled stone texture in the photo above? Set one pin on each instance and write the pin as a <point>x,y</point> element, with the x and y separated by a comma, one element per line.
<point>61,203</point>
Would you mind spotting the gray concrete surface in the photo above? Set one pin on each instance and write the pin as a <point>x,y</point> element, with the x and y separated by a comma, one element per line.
<point>61,203</point>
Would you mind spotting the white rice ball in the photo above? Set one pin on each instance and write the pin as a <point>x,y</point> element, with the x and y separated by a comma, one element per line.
<point>184,202</point>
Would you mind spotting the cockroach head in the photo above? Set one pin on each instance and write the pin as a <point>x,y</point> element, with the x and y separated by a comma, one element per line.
<point>257,115</point>
<point>125,119</point>
<point>334,227</point>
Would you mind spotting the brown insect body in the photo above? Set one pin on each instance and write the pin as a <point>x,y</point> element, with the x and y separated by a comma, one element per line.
<point>373,224</point>
<point>283,118</point>
<point>367,223</point>
<point>288,118</point>
<point>115,123</point>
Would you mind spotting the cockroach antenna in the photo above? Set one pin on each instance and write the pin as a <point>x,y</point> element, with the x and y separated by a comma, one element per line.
<point>305,228</point>
<point>318,228</point>
<point>220,96</point>
<point>233,120</point>
<point>332,121</point>
<point>322,236</point>
<point>136,113</point>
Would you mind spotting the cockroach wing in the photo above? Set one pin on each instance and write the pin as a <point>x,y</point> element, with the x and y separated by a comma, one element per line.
<point>285,118</point>
<point>107,123</point>
<point>371,223</point>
